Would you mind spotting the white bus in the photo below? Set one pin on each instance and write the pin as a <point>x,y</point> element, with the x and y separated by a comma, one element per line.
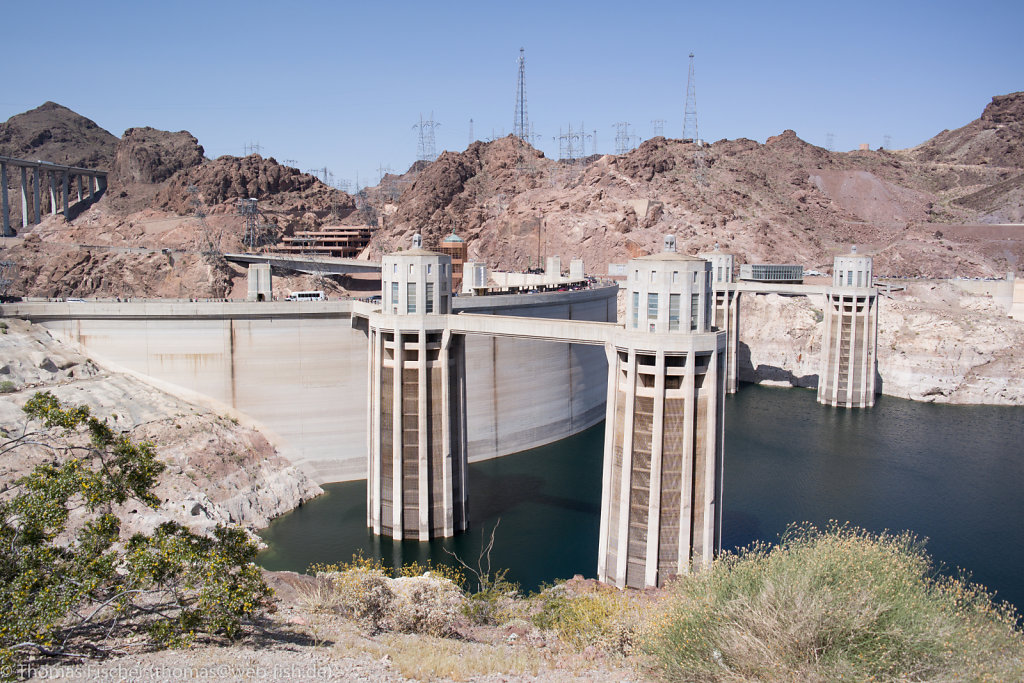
<point>316,295</point>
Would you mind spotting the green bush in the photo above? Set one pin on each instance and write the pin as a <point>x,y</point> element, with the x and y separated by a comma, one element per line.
<point>64,590</point>
<point>7,387</point>
<point>838,604</point>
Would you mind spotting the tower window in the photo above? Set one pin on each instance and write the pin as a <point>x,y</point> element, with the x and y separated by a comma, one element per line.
<point>410,301</point>
<point>694,310</point>
<point>636,308</point>
<point>429,307</point>
<point>652,306</point>
<point>673,311</point>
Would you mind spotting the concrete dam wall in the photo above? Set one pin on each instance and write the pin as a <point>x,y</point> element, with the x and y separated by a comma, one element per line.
<point>300,368</point>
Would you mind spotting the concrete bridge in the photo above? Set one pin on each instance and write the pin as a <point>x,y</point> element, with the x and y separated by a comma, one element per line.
<point>91,184</point>
<point>323,265</point>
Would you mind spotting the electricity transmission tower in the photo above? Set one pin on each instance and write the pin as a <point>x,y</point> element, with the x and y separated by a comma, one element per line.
<point>572,145</point>
<point>471,138</point>
<point>830,141</point>
<point>887,142</point>
<point>324,174</point>
<point>624,140</point>
<point>658,127</point>
<point>252,148</point>
<point>426,150</point>
<point>250,215</point>
<point>521,126</point>
<point>690,131</point>
<point>207,248</point>
<point>690,115</point>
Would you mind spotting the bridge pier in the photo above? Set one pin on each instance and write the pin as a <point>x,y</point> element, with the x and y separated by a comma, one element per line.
<point>4,205</point>
<point>64,196</point>
<point>24,197</point>
<point>417,431</point>
<point>36,216</point>
<point>53,193</point>
<point>849,346</point>
<point>662,479</point>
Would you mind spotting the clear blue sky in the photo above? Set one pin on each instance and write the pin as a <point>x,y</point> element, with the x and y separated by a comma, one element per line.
<point>341,84</point>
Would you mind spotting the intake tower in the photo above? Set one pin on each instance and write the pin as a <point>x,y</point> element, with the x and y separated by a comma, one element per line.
<point>662,480</point>
<point>417,409</point>
<point>848,349</point>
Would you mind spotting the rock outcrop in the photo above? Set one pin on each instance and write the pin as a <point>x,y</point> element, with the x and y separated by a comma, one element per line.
<point>147,155</point>
<point>229,178</point>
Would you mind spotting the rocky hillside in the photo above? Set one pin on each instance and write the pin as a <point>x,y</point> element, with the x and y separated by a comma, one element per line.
<point>995,139</point>
<point>785,200</point>
<point>218,470</point>
<point>781,201</point>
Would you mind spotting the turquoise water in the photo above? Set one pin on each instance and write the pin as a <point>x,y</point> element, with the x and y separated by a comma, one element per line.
<point>952,474</point>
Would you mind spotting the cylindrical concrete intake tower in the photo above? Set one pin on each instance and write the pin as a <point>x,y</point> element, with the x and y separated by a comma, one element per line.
<point>417,407</point>
<point>662,487</point>
<point>849,347</point>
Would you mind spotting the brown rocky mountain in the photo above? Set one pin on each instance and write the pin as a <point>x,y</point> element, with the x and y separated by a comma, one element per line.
<point>785,200</point>
<point>995,139</point>
<point>54,133</point>
<point>781,201</point>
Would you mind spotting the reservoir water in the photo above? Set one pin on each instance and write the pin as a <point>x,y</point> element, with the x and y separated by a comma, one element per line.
<point>952,474</point>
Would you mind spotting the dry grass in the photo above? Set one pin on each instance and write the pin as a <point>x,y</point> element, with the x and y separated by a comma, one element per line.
<point>427,658</point>
<point>839,604</point>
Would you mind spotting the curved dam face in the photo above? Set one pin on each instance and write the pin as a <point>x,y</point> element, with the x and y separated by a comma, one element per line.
<point>299,369</point>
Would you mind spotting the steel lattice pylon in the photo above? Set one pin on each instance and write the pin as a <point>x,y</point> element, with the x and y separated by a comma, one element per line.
<point>690,115</point>
<point>521,125</point>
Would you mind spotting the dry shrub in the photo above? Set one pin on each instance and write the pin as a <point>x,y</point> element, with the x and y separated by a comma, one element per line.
<point>604,617</point>
<point>828,605</point>
<point>365,595</point>
<point>425,602</point>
